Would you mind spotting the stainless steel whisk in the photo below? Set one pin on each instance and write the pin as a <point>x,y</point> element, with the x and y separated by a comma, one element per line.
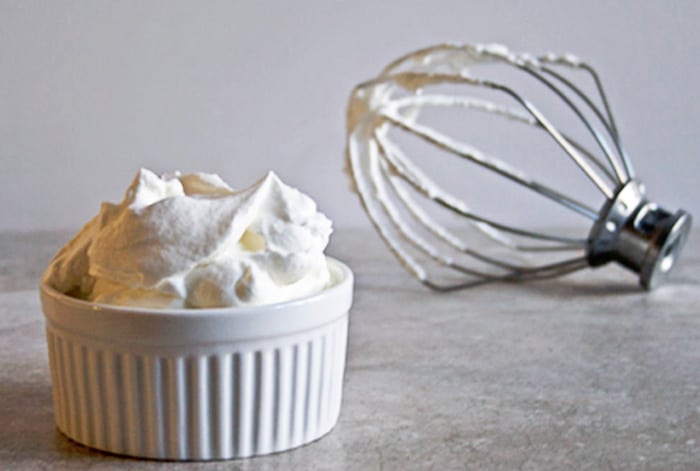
<point>627,229</point>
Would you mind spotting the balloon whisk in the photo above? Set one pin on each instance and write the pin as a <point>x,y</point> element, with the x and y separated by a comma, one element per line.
<point>399,196</point>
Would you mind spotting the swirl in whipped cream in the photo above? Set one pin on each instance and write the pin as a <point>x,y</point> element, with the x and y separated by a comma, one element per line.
<point>192,241</point>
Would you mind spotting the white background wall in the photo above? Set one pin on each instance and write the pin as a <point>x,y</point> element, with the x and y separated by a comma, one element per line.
<point>92,90</point>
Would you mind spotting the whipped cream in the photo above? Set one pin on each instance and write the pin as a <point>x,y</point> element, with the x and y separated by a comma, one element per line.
<point>192,241</point>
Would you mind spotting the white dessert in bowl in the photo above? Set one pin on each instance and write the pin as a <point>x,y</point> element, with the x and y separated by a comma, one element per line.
<point>210,332</point>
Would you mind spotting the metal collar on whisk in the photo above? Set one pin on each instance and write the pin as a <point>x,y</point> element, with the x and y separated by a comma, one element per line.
<point>627,229</point>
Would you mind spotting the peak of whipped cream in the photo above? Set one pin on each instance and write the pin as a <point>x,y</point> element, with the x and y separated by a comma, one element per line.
<point>192,241</point>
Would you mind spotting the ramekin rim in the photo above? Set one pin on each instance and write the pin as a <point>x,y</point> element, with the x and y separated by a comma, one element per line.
<point>346,278</point>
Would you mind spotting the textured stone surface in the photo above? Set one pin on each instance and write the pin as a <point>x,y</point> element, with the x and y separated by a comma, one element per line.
<point>584,372</point>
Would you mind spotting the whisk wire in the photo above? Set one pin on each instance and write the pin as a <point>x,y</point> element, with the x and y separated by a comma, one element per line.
<point>570,150</point>
<point>515,272</point>
<point>475,104</point>
<point>622,173</point>
<point>622,177</point>
<point>422,184</point>
<point>593,159</point>
<point>492,163</point>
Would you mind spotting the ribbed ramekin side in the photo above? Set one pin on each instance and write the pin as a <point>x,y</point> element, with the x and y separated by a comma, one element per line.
<point>201,403</point>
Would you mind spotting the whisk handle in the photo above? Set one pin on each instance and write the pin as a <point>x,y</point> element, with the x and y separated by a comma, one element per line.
<point>639,235</point>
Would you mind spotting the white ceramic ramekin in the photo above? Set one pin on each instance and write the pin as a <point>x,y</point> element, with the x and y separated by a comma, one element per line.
<point>198,384</point>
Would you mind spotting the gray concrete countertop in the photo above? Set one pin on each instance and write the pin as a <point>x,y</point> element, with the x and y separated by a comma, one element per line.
<point>582,372</point>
